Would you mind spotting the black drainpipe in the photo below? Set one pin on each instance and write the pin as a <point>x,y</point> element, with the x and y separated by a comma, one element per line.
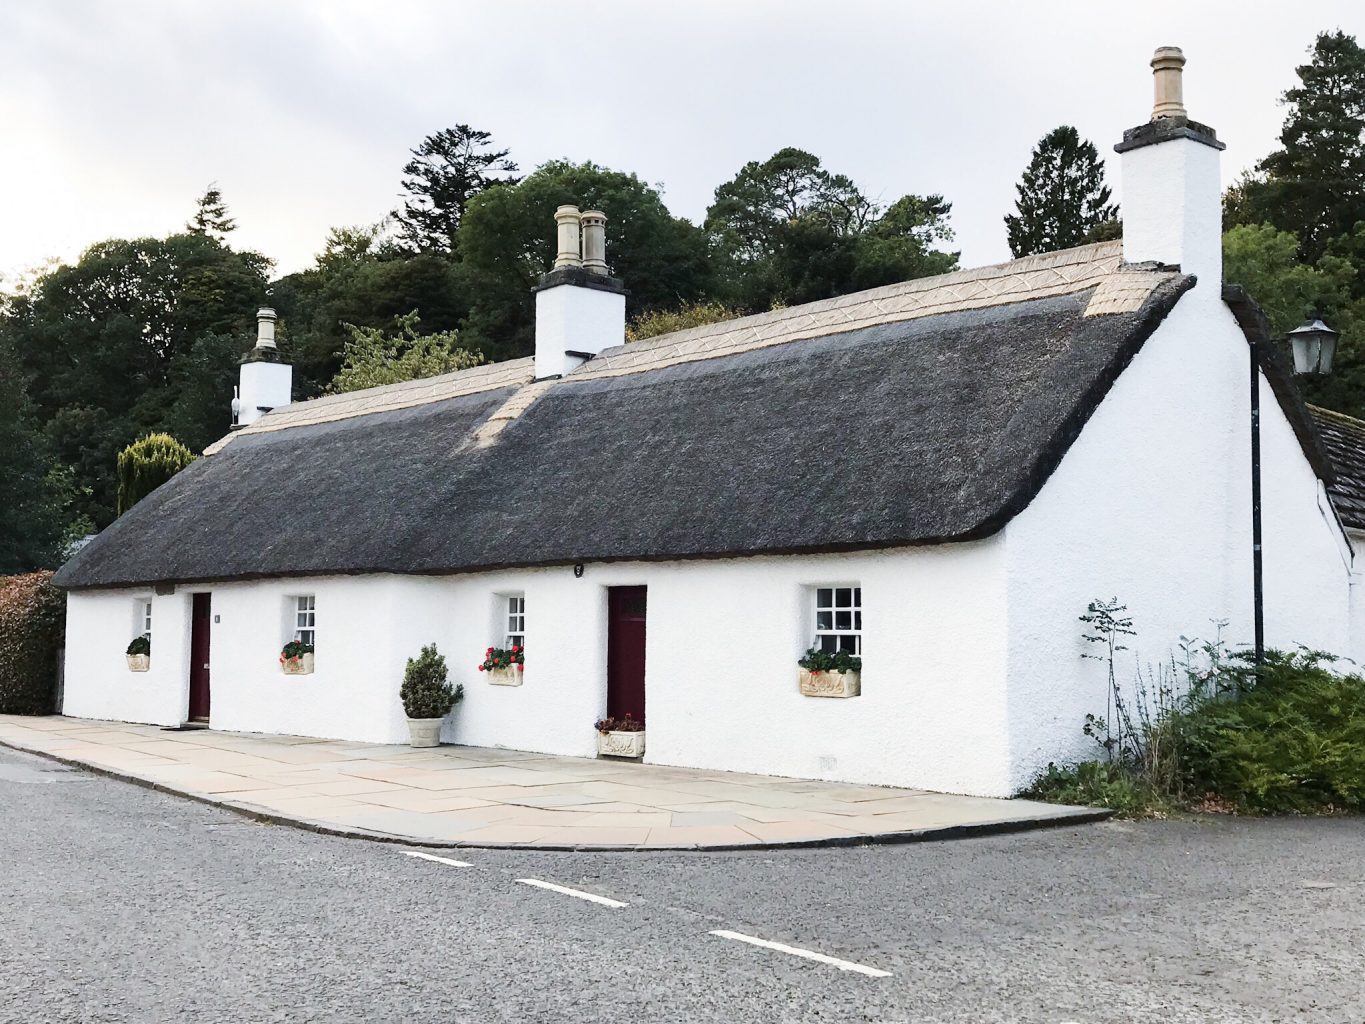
<point>1258,597</point>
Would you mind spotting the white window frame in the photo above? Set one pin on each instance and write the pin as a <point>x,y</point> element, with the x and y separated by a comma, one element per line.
<point>142,618</point>
<point>514,620</point>
<point>304,611</point>
<point>837,617</point>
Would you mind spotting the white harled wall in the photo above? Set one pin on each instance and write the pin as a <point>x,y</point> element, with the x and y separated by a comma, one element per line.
<point>99,625</point>
<point>723,638</point>
<point>1152,505</point>
<point>1356,651</point>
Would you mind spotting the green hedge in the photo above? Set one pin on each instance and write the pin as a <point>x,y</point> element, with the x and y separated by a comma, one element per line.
<point>32,624</point>
<point>1292,741</point>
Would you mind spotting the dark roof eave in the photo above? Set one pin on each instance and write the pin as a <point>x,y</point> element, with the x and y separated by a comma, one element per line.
<point>981,532</point>
<point>1252,319</point>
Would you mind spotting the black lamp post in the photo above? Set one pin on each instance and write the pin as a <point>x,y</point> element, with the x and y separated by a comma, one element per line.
<point>1313,344</point>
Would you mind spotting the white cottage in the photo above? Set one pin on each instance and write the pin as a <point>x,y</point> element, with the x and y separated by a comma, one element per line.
<point>938,474</point>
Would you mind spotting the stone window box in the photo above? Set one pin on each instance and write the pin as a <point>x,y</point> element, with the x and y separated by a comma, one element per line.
<point>830,684</point>
<point>621,744</point>
<point>300,666</point>
<point>510,676</point>
<point>139,662</point>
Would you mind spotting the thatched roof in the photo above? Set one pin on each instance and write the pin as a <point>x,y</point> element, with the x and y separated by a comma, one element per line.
<point>921,413</point>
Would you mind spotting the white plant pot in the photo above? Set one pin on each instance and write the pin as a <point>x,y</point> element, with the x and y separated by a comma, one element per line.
<point>301,666</point>
<point>424,732</point>
<point>830,684</point>
<point>510,676</point>
<point>621,744</point>
<point>139,662</point>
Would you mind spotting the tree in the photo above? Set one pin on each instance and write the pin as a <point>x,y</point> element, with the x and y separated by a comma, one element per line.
<point>372,358</point>
<point>446,171</point>
<point>1062,196</point>
<point>146,464</point>
<point>1314,185</point>
<point>348,245</point>
<point>1268,263</point>
<point>211,215</point>
<point>788,187</point>
<point>30,518</point>
<point>98,340</point>
<point>507,242</point>
<point>362,279</point>
<point>199,383</point>
<point>1265,261</point>
<point>786,230</point>
<point>899,244</point>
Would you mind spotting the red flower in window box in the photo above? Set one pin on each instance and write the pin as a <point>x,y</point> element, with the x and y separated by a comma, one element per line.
<point>498,658</point>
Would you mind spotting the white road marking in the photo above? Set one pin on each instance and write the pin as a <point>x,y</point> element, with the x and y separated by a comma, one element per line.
<point>438,860</point>
<point>843,965</point>
<point>589,896</point>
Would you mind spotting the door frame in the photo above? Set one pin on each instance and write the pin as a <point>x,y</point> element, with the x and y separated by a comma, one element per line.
<point>195,713</point>
<point>614,698</point>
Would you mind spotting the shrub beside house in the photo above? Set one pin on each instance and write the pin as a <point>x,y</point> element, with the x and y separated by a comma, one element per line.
<point>1210,729</point>
<point>32,625</point>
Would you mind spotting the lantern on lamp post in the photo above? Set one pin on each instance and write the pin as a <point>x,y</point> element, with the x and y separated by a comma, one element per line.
<point>1313,344</point>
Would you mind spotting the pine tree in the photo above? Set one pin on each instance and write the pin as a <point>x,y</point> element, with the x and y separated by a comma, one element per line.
<point>211,215</point>
<point>445,172</point>
<point>1063,198</point>
<point>146,464</point>
<point>1314,186</point>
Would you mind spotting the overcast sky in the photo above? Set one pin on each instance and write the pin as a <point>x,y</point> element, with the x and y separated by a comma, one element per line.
<point>116,115</point>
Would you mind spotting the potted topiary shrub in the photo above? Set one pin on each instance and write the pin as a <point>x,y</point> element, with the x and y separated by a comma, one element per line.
<point>296,659</point>
<point>830,674</point>
<point>139,654</point>
<point>504,667</point>
<point>427,696</point>
<point>620,737</point>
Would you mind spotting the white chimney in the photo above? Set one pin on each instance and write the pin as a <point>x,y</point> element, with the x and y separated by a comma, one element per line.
<point>266,383</point>
<point>580,309</point>
<point>1172,202</point>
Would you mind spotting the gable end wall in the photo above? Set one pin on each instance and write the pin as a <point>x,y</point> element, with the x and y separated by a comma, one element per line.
<point>1152,505</point>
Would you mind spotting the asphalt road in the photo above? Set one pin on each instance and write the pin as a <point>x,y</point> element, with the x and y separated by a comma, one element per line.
<point>122,904</point>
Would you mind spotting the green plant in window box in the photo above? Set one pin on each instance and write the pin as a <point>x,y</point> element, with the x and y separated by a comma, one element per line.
<point>816,660</point>
<point>139,654</point>
<point>296,659</point>
<point>830,673</point>
<point>623,724</point>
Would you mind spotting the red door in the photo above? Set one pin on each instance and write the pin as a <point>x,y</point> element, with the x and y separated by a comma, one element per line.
<point>199,658</point>
<point>626,652</point>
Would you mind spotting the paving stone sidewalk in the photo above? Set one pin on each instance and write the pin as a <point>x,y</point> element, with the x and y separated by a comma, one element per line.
<point>471,796</point>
